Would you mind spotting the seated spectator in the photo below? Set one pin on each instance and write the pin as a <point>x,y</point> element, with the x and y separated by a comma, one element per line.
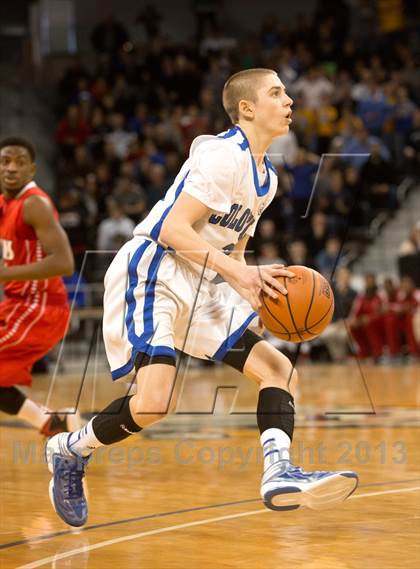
<point>327,115</point>
<point>373,109</point>
<point>304,122</point>
<point>316,234</point>
<point>327,259</point>
<point>117,223</point>
<point>409,256</point>
<point>302,172</point>
<point>298,253</point>
<point>119,138</point>
<point>358,147</point>
<point>402,115</point>
<point>366,323</point>
<point>378,176</point>
<point>411,151</point>
<point>336,335</point>
<point>269,254</point>
<point>72,131</point>
<point>131,198</point>
<point>312,86</point>
<point>155,187</point>
<point>336,202</point>
<point>74,218</point>
<point>411,245</point>
<point>399,317</point>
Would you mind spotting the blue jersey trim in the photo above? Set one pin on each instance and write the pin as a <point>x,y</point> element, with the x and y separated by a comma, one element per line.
<point>154,234</point>
<point>141,343</point>
<point>261,190</point>
<point>149,299</point>
<point>233,338</point>
<point>150,351</point>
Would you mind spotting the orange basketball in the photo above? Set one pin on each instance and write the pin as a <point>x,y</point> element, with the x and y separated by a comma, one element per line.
<point>304,312</point>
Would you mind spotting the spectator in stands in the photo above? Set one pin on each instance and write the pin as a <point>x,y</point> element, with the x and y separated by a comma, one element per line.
<point>72,131</point>
<point>302,173</point>
<point>316,234</point>
<point>373,109</point>
<point>399,317</point>
<point>269,254</point>
<point>378,176</point>
<point>109,36</point>
<point>155,187</point>
<point>358,147</point>
<point>336,335</point>
<point>328,258</point>
<point>116,224</point>
<point>304,123</point>
<point>409,255</point>
<point>74,218</point>
<point>327,115</point>
<point>313,85</point>
<point>131,198</point>
<point>366,323</point>
<point>403,115</point>
<point>336,201</point>
<point>298,253</point>
<point>119,138</point>
<point>145,106</point>
<point>411,245</point>
<point>411,151</point>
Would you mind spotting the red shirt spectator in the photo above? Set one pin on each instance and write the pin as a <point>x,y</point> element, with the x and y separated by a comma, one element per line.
<point>72,130</point>
<point>366,321</point>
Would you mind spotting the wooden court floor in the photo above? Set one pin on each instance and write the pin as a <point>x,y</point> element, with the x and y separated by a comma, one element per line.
<point>185,494</point>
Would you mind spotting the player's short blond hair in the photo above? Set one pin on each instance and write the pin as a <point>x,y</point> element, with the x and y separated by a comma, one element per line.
<point>242,85</point>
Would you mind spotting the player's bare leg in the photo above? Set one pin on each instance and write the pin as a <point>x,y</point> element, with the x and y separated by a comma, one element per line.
<point>14,402</point>
<point>284,486</point>
<point>67,454</point>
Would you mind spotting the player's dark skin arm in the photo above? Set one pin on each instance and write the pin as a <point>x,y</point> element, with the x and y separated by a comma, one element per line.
<point>59,261</point>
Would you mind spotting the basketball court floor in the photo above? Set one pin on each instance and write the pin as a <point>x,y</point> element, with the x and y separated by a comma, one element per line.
<point>185,494</point>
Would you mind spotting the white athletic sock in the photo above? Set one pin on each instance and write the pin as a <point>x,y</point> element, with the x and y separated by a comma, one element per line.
<point>84,441</point>
<point>35,414</point>
<point>276,445</point>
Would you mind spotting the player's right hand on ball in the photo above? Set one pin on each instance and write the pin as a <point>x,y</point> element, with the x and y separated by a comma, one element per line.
<point>250,281</point>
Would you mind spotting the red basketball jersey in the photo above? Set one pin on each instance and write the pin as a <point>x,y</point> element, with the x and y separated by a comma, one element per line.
<point>20,246</point>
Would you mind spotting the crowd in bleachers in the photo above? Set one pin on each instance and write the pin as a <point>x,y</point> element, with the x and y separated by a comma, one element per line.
<point>383,322</point>
<point>124,127</point>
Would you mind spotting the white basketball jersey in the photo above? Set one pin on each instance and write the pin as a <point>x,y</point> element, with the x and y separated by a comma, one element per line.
<point>220,172</point>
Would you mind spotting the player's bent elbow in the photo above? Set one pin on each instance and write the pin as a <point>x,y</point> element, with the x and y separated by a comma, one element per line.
<point>67,268</point>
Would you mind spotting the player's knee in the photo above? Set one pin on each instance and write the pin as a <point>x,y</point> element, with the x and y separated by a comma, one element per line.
<point>150,408</point>
<point>279,372</point>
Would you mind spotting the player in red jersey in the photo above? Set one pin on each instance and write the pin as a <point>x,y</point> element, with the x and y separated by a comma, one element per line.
<point>34,314</point>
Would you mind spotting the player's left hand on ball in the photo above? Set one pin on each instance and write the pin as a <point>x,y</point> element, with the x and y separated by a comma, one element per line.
<point>271,284</point>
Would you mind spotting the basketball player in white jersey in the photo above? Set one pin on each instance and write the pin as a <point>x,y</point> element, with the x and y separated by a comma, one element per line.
<point>159,296</point>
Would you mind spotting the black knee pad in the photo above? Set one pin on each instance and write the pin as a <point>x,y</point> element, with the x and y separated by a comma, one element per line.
<point>239,352</point>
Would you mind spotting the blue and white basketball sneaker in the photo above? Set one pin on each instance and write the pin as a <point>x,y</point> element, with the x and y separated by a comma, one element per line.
<point>66,486</point>
<point>288,487</point>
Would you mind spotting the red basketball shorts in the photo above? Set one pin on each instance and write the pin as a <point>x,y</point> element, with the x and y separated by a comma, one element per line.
<point>27,332</point>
